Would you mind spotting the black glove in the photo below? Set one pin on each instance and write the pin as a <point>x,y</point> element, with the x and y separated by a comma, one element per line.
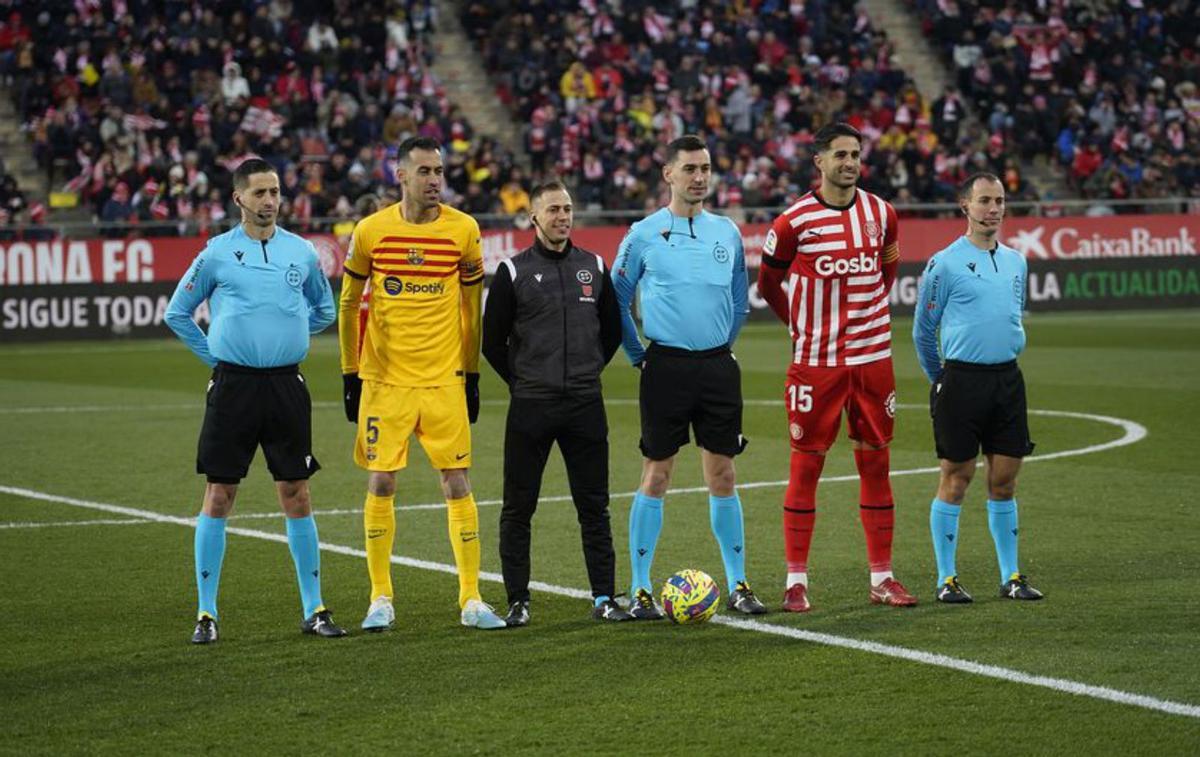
<point>472,387</point>
<point>351,395</point>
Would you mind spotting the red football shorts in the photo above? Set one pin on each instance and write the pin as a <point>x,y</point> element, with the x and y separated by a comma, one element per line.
<point>815,397</point>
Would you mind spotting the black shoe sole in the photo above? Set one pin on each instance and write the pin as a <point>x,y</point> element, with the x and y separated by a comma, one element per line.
<point>320,635</point>
<point>756,611</point>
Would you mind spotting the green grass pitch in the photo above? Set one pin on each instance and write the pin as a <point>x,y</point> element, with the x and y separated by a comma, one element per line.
<point>98,608</point>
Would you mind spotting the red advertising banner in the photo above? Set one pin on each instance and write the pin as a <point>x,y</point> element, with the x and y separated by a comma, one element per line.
<point>114,261</point>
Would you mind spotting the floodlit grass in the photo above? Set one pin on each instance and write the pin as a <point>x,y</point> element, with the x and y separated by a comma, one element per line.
<point>98,615</point>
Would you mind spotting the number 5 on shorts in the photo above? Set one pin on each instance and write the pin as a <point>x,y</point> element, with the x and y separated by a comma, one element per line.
<point>372,429</point>
<point>800,397</point>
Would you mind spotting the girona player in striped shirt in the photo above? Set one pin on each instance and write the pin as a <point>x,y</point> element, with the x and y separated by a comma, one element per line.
<point>827,268</point>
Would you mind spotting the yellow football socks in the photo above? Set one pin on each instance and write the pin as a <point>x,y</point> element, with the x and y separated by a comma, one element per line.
<point>463,517</point>
<point>379,523</point>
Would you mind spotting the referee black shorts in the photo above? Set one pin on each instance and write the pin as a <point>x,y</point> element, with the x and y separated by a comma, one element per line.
<point>682,388</point>
<point>975,405</point>
<point>248,407</point>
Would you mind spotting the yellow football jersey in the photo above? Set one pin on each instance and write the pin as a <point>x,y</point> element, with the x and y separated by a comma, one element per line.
<point>423,322</point>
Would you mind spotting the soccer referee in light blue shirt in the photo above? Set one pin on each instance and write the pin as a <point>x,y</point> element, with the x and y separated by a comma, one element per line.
<point>690,268</point>
<point>266,293</point>
<point>973,296</point>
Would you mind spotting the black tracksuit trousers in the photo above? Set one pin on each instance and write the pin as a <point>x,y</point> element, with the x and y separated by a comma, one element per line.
<point>580,427</point>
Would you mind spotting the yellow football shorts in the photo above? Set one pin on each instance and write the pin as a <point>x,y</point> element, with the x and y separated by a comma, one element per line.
<point>388,415</point>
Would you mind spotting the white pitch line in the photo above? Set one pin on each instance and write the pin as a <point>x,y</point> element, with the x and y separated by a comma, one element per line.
<point>1133,433</point>
<point>1062,685</point>
<point>52,524</point>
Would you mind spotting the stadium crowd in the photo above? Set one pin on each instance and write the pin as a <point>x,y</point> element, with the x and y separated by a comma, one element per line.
<point>1106,92</point>
<point>601,92</point>
<point>144,108</point>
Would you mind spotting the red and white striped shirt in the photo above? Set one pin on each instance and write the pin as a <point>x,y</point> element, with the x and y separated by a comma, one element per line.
<point>837,295</point>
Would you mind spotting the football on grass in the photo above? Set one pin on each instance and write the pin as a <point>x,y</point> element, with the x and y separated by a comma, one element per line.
<point>690,596</point>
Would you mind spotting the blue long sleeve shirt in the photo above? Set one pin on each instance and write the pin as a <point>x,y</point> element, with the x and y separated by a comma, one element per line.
<point>976,298</point>
<point>692,279</point>
<point>265,298</point>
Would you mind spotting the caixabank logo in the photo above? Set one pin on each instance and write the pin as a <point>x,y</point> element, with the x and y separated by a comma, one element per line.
<point>1066,241</point>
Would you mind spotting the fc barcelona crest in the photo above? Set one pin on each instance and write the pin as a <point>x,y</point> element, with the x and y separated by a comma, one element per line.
<point>416,257</point>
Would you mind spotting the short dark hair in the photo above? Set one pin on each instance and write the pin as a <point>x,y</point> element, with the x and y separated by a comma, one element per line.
<point>686,143</point>
<point>554,185</point>
<point>416,143</point>
<point>247,168</point>
<point>829,132</point>
<point>965,189</point>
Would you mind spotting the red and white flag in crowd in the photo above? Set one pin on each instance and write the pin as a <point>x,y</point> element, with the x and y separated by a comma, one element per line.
<point>263,122</point>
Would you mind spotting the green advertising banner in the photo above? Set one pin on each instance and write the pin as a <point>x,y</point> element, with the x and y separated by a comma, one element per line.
<point>1098,284</point>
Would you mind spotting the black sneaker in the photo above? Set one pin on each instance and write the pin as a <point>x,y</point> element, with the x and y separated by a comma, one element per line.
<point>611,611</point>
<point>1018,587</point>
<point>321,623</point>
<point>643,607</point>
<point>952,592</point>
<point>518,614</point>
<point>206,630</point>
<point>742,600</point>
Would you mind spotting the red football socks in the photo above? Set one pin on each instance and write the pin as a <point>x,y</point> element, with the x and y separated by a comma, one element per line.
<point>876,506</point>
<point>800,508</point>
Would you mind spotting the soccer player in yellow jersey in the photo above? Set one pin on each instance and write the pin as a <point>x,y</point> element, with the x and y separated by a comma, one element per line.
<point>419,353</point>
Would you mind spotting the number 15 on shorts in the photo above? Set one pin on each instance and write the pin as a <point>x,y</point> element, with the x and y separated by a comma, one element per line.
<point>799,398</point>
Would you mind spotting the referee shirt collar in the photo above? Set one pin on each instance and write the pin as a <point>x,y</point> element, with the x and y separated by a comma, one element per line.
<point>241,229</point>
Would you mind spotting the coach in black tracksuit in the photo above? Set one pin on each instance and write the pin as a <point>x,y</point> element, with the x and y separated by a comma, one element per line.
<point>550,326</point>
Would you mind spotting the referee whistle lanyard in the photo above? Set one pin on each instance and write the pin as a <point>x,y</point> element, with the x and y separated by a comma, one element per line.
<point>666,235</point>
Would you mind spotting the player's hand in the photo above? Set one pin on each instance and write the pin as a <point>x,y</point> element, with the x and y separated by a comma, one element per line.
<point>472,387</point>
<point>934,390</point>
<point>351,395</point>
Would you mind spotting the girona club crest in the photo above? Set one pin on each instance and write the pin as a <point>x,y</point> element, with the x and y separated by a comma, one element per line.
<point>796,431</point>
<point>889,405</point>
<point>871,228</point>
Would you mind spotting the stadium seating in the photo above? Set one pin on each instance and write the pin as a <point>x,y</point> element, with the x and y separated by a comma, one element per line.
<point>1106,92</point>
<point>145,115</point>
<point>602,93</point>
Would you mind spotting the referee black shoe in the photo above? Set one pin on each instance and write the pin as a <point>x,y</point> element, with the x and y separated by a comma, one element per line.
<point>206,630</point>
<point>742,600</point>
<point>952,592</point>
<point>320,623</point>
<point>1018,587</point>
<point>518,614</point>
<point>643,607</point>
<point>611,611</point>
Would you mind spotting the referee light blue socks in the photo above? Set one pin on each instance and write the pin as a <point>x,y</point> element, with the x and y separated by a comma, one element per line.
<point>210,553</point>
<point>1002,522</point>
<point>306,554</point>
<point>725,513</point>
<point>645,523</point>
<point>943,527</point>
